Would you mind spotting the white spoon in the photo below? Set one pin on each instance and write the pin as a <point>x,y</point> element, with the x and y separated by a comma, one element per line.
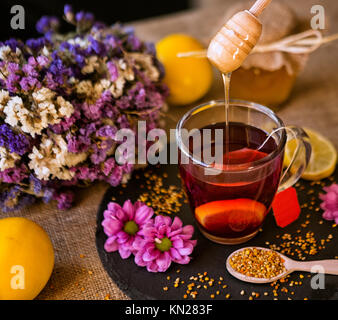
<point>328,266</point>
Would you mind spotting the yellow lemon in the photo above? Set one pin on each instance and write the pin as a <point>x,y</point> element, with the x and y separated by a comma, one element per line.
<point>188,79</point>
<point>26,259</point>
<point>323,157</point>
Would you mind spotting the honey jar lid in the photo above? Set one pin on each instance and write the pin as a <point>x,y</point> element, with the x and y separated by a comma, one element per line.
<point>278,20</point>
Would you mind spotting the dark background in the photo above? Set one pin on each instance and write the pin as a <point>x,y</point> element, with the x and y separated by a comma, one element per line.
<point>108,11</point>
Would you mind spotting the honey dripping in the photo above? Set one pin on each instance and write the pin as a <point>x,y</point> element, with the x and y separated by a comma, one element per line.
<point>226,82</point>
<point>231,45</point>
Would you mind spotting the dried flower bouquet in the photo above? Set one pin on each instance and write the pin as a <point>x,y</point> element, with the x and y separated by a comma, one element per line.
<point>63,98</point>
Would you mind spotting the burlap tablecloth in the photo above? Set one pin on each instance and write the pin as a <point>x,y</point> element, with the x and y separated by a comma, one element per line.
<point>78,273</point>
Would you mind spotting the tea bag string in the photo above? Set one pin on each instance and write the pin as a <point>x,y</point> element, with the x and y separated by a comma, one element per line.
<point>300,43</point>
<point>273,132</point>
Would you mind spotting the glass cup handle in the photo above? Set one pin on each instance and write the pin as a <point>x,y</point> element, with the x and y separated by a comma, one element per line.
<point>300,159</point>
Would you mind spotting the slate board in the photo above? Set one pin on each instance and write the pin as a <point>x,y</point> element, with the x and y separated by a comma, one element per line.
<point>210,257</point>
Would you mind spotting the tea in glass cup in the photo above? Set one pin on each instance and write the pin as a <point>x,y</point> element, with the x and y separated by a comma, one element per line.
<point>231,197</point>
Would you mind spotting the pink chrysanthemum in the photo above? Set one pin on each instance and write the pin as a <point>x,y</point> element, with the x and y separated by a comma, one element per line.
<point>330,203</point>
<point>125,225</point>
<point>164,241</point>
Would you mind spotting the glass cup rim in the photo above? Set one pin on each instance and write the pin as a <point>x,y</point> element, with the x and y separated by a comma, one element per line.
<point>243,103</point>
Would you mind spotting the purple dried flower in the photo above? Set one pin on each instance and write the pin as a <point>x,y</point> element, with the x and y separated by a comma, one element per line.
<point>40,189</point>
<point>43,61</point>
<point>115,176</point>
<point>78,144</point>
<point>64,199</point>
<point>113,71</point>
<point>125,225</point>
<point>330,203</point>
<point>68,12</point>
<point>134,43</point>
<point>96,47</point>
<point>29,83</point>
<point>46,24</point>
<point>36,44</point>
<point>14,142</point>
<point>164,241</point>
<point>14,175</point>
<point>86,173</point>
<point>84,20</point>
<point>13,44</point>
<point>13,199</point>
<point>106,131</point>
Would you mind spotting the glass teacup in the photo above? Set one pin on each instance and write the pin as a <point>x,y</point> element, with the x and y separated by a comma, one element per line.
<point>230,198</point>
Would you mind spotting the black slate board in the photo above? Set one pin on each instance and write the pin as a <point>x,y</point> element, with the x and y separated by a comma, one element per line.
<point>209,257</point>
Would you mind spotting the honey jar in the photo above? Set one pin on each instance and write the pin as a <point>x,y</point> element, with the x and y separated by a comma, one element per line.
<point>268,77</point>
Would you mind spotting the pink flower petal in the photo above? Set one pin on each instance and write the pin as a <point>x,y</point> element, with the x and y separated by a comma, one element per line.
<point>152,267</point>
<point>163,261</point>
<point>160,220</point>
<point>177,224</point>
<point>138,243</point>
<point>177,243</point>
<point>137,205</point>
<point>149,232</point>
<point>138,259</point>
<point>174,254</point>
<point>111,245</point>
<point>184,260</point>
<point>174,233</point>
<point>193,242</point>
<point>122,237</point>
<point>188,230</point>
<point>114,207</point>
<point>163,230</point>
<point>185,251</point>
<point>150,254</point>
<point>128,208</point>
<point>143,214</point>
<point>111,226</point>
<point>124,253</point>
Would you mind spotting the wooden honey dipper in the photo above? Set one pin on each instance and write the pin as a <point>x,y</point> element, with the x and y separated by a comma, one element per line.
<point>235,40</point>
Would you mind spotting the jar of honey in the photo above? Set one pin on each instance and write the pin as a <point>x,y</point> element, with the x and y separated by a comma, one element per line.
<point>268,78</point>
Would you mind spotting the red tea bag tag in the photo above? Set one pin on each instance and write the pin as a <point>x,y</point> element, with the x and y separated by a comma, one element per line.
<point>286,207</point>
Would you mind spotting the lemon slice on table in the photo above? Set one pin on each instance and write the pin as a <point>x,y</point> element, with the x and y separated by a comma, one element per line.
<point>323,157</point>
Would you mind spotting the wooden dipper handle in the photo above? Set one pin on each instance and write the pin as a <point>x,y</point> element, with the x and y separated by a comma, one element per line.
<point>235,40</point>
<point>259,6</point>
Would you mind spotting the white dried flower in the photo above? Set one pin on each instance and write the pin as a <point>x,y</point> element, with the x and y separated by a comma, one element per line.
<point>83,43</point>
<point>84,88</point>
<point>92,91</point>
<point>45,110</point>
<point>45,51</point>
<point>117,86</point>
<point>6,54</point>
<point>65,107</point>
<point>92,64</point>
<point>125,70</point>
<point>7,159</point>
<point>4,98</point>
<point>125,73</point>
<point>43,94</point>
<point>145,63</point>
<point>105,84</point>
<point>14,110</point>
<point>53,160</point>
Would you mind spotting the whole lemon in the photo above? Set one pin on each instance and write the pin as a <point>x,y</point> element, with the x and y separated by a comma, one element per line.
<point>188,78</point>
<point>26,259</point>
